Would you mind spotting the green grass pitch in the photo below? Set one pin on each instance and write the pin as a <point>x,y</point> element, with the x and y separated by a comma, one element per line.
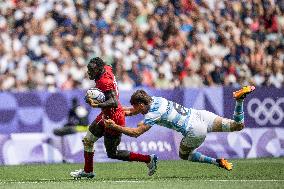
<point>252,173</point>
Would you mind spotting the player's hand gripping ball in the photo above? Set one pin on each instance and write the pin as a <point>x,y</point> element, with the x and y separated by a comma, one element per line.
<point>95,94</point>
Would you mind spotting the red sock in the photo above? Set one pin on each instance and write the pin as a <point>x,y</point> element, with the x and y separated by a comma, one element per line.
<point>88,161</point>
<point>139,157</point>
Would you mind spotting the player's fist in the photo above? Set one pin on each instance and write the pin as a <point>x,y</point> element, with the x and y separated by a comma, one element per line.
<point>91,101</point>
<point>109,123</point>
<point>87,99</point>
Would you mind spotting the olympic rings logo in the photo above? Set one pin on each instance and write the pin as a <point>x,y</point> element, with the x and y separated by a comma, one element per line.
<point>266,111</point>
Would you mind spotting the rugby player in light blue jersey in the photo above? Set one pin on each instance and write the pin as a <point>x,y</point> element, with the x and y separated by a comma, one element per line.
<point>193,124</point>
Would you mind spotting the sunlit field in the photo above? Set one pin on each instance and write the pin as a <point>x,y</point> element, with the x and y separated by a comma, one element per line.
<point>253,173</point>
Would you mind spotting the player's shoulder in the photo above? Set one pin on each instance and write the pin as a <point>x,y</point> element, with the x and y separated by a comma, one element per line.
<point>108,69</point>
<point>159,100</point>
<point>159,104</point>
<point>108,75</point>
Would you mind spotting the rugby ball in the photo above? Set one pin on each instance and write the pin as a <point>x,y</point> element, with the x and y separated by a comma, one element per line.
<point>96,94</point>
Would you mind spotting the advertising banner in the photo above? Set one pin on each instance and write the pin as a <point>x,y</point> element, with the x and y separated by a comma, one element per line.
<point>248,143</point>
<point>40,148</point>
<point>263,108</point>
<point>28,119</point>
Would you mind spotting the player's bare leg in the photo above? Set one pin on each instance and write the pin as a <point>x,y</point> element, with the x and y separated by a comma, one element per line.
<point>228,125</point>
<point>238,116</point>
<point>222,124</point>
<point>93,134</point>
<point>87,172</point>
<point>187,152</point>
<point>111,144</point>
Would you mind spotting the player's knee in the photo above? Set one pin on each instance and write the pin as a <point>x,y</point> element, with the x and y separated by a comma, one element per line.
<point>183,156</point>
<point>189,156</point>
<point>184,152</point>
<point>242,126</point>
<point>88,144</point>
<point>238,126</point>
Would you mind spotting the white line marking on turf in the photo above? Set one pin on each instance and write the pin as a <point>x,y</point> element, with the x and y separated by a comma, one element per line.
<point>243,180</point>
<point>137,181</point>
<point>129,181</point>
<point>71,180</point>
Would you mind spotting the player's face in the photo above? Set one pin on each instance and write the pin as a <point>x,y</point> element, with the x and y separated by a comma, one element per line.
<point>93,70</point>
<point>140,108</point>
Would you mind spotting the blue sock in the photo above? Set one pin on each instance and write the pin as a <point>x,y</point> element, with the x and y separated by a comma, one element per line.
<point>239,112</point>
<point>198,157</point>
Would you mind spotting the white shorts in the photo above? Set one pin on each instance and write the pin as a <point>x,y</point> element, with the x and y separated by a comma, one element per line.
<point>201,122</point>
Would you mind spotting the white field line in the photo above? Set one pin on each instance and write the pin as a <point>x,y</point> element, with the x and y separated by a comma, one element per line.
<point>128,181</point>
<point>56,181</point>
<point>244,180</point>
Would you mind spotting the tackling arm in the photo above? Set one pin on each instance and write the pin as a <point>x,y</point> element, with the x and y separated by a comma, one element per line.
<point>129,111</point>
<point>133,132</point>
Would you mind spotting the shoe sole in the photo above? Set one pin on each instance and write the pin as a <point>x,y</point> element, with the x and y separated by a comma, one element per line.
<point>225,167</point>
<point>77,178</point>
<point>80,177</point>
<point>246,91</point>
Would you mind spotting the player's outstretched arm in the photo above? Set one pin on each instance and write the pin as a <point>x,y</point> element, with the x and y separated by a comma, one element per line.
<point>133,132</point>
<point>130,111</point>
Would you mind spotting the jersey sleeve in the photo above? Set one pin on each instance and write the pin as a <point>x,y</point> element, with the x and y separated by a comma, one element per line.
<point>151,118</point>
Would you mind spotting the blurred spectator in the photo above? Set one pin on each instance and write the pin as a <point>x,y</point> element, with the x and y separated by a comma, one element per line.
<point>162,82</point>
<point>192,79</point>
<point>45,44</point>
<point>276,78</point>
<point>126,83</point>
<point>77,120</point>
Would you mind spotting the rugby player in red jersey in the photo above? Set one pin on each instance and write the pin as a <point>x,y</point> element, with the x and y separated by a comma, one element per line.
<point>111,109</point>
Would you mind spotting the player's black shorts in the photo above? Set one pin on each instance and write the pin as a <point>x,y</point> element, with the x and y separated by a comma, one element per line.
<point>111,141</point>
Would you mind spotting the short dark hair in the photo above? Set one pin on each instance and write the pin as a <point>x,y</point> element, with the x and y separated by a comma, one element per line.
<point>140,96</point>
<point>97,61</point>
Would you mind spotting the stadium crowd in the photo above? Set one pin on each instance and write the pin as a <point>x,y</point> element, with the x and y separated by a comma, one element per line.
<point>45,44</point>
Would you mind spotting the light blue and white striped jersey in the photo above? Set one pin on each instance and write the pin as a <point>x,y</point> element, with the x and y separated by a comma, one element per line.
<point>168,114</point>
